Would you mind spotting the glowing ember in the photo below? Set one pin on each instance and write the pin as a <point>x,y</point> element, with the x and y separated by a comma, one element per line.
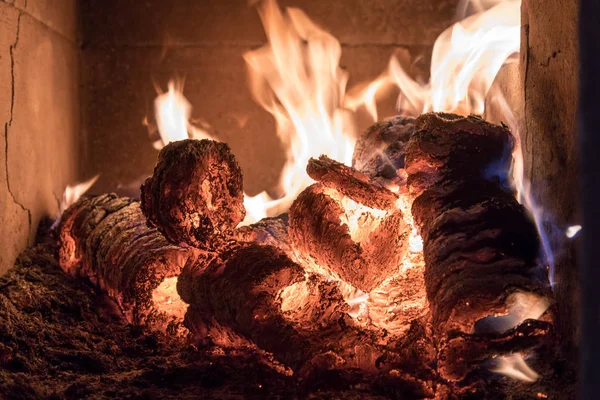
<point>167,300</point>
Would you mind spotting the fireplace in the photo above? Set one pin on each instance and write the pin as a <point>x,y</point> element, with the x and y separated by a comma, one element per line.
<point>290,199</point>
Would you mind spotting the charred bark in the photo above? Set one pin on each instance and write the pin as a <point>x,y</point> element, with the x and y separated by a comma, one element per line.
<point>195,195</point>
<point>447,146</point>
<point>106,240</point>
<point>351,183</point>
<point>255,291</point>
<point>240,289</point>
<point>380,151</point>
<point>268,231</point>
<point>479,244</point>
<point>363,254</point>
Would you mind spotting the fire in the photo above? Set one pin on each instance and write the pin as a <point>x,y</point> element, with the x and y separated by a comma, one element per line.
<point>72,194</point>
<point>167,300</point>
<point>465,61</point>
<point>514,366</point>
<point>296,77</point>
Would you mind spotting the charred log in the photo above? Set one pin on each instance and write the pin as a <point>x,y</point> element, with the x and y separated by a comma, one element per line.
<point>447,146</point>
<point>268,231</point>
<point>240,287</point>
<point>380,151</point>
<point>479,244</point>
<point>350,183</point>
<point>248,289</point>
<point>106,239</point>
<point>195,195</point>
<point>361,246</point>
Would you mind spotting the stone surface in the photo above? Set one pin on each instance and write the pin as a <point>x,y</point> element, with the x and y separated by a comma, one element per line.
<point>236,23</point>
<point>59,15</point>
<point>549,69</point>
<point>39,111</point>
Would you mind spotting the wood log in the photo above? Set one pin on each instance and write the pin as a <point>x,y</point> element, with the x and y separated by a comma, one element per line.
<point>332,235</point>
<point>270,231</point>
<point>351,183</point>
<point>195,195</point>
<point>256,291</point>
<point>479,244</point>
<point>463,352</point>
<point>380,151</point>
<point>445,145</point>
<point>240,287</point>
<point>106,239</point>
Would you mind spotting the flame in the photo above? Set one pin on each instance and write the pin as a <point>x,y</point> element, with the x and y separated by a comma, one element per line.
<point>465,61</point>
<point>572,231</point>
<point>514,366</point>
<point>71,195</point>
<point>296,77</point>
<point>521,306</point>
<point>172,111</point>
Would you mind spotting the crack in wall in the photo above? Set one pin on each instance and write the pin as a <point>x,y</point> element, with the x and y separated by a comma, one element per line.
<point>528,137</point>
<point>8,124</point>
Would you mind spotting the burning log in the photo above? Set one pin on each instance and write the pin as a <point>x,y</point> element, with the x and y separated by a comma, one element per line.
<point>260,293</point>
<point>480,246</point>
<point>350,183</point>
<point>464,352</point>
<point>379,152</point>
<point>269,231</point>
<point>195,196</point>
<point>240,289</point>
<point>106,240</point>
<point>361,245</point>
<point>448,146</point>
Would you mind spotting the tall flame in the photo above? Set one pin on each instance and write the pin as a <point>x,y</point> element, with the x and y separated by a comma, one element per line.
<point>296,77</point>
<point>465,61</point>
<point>173,111</point>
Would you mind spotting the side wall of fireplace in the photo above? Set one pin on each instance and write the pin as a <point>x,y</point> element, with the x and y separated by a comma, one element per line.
<point>39,112</point>
<point>549,71</point>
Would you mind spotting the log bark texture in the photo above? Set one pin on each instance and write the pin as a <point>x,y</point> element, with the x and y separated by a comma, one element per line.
<point>106,239</point>
<point>195,196</point>
<point>479,244</point>
<point>249,289</point>
<point>270,231</point>
<point>380,151</point>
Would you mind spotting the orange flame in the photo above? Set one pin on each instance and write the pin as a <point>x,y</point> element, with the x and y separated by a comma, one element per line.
<point>465,61</point>
<point>296,77</point>
<point>173,111</point>
<point>71,195</point>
